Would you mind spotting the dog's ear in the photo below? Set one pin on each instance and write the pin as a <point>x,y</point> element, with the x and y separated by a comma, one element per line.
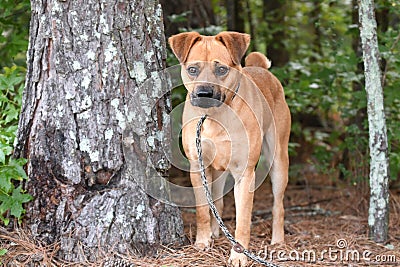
<point>236,43</point>
<point>181,44</point>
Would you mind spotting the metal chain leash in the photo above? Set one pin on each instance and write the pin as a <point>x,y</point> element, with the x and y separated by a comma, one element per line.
<point>236,245</point>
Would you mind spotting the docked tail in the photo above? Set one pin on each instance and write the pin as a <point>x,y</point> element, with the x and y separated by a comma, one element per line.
<point>256,59</point>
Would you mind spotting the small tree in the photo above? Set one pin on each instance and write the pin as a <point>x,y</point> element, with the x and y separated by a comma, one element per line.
<point>378,218</point>
<point>92,134</point>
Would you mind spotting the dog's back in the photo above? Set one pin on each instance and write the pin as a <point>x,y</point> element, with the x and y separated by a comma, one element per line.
<point>256,67</point>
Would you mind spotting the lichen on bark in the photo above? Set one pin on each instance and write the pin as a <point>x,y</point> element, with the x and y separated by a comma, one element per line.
<point>82,101</point>
<point>378,219</point>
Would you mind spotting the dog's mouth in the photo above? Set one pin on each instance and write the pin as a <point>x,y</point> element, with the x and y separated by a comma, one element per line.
<point>207,102</point>
<point>206,97</point>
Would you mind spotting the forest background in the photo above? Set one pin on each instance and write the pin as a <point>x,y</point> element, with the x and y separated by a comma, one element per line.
<point>315,51</point>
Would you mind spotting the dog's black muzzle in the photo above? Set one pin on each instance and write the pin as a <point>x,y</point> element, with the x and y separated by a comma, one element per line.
<point>205,96</point>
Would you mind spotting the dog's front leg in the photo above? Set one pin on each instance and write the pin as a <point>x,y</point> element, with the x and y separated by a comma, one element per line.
<point>203,232</point>
<point>244,194</point>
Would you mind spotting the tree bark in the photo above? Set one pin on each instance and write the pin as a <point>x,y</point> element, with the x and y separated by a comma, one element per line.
<point>274,14</point>
<point>378,219</point>
<point>315,25</point>
<point>94,136</point>
<point>200,15</point>
<point>249,13</point>
<point>234,15</point>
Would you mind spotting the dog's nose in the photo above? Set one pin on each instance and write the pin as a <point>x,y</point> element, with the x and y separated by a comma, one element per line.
<point>205,91</point>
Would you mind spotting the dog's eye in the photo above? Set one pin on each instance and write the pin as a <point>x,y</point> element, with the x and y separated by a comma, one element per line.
<point>221,70</point>
<point>193,71</point>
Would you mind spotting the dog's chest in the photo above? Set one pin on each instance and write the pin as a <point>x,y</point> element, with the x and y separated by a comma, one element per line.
<point>224,144</point>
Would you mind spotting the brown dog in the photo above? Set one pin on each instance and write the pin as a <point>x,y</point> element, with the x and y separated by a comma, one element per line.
<point>244,106</point>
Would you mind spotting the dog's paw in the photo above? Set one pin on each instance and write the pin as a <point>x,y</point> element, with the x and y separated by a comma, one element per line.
<point>215,230</point>
<point>237,259</point>
<point>203,244</point>
<point>276,240</point>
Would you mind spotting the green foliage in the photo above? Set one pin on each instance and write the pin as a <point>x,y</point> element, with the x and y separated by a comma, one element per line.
<point>318,81</point>
<point>323,79</point>
<point>389,46</point>
<point>3,252</point>
<point>174,18</point>
<point>11,170</point>
<point>14,26</point>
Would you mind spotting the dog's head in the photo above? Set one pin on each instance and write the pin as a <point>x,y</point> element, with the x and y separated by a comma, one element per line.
<point>210,65</point>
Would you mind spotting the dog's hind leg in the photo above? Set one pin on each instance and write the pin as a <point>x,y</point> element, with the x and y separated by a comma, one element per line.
<point>279,180</point>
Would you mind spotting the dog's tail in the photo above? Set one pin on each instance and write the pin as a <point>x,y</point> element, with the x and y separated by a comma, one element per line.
<point>256,59</point>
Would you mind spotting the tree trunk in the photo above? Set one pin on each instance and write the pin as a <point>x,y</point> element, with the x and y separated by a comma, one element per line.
<point>199,15</point>
<point>315,16</point>
<point>252,27</point>
<point>274,14</point>
<point>92,133</point>
<point>378,219</point>
<point>234,15</point>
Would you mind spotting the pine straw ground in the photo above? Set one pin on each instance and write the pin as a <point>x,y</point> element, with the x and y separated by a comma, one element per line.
<point>319,219</point>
